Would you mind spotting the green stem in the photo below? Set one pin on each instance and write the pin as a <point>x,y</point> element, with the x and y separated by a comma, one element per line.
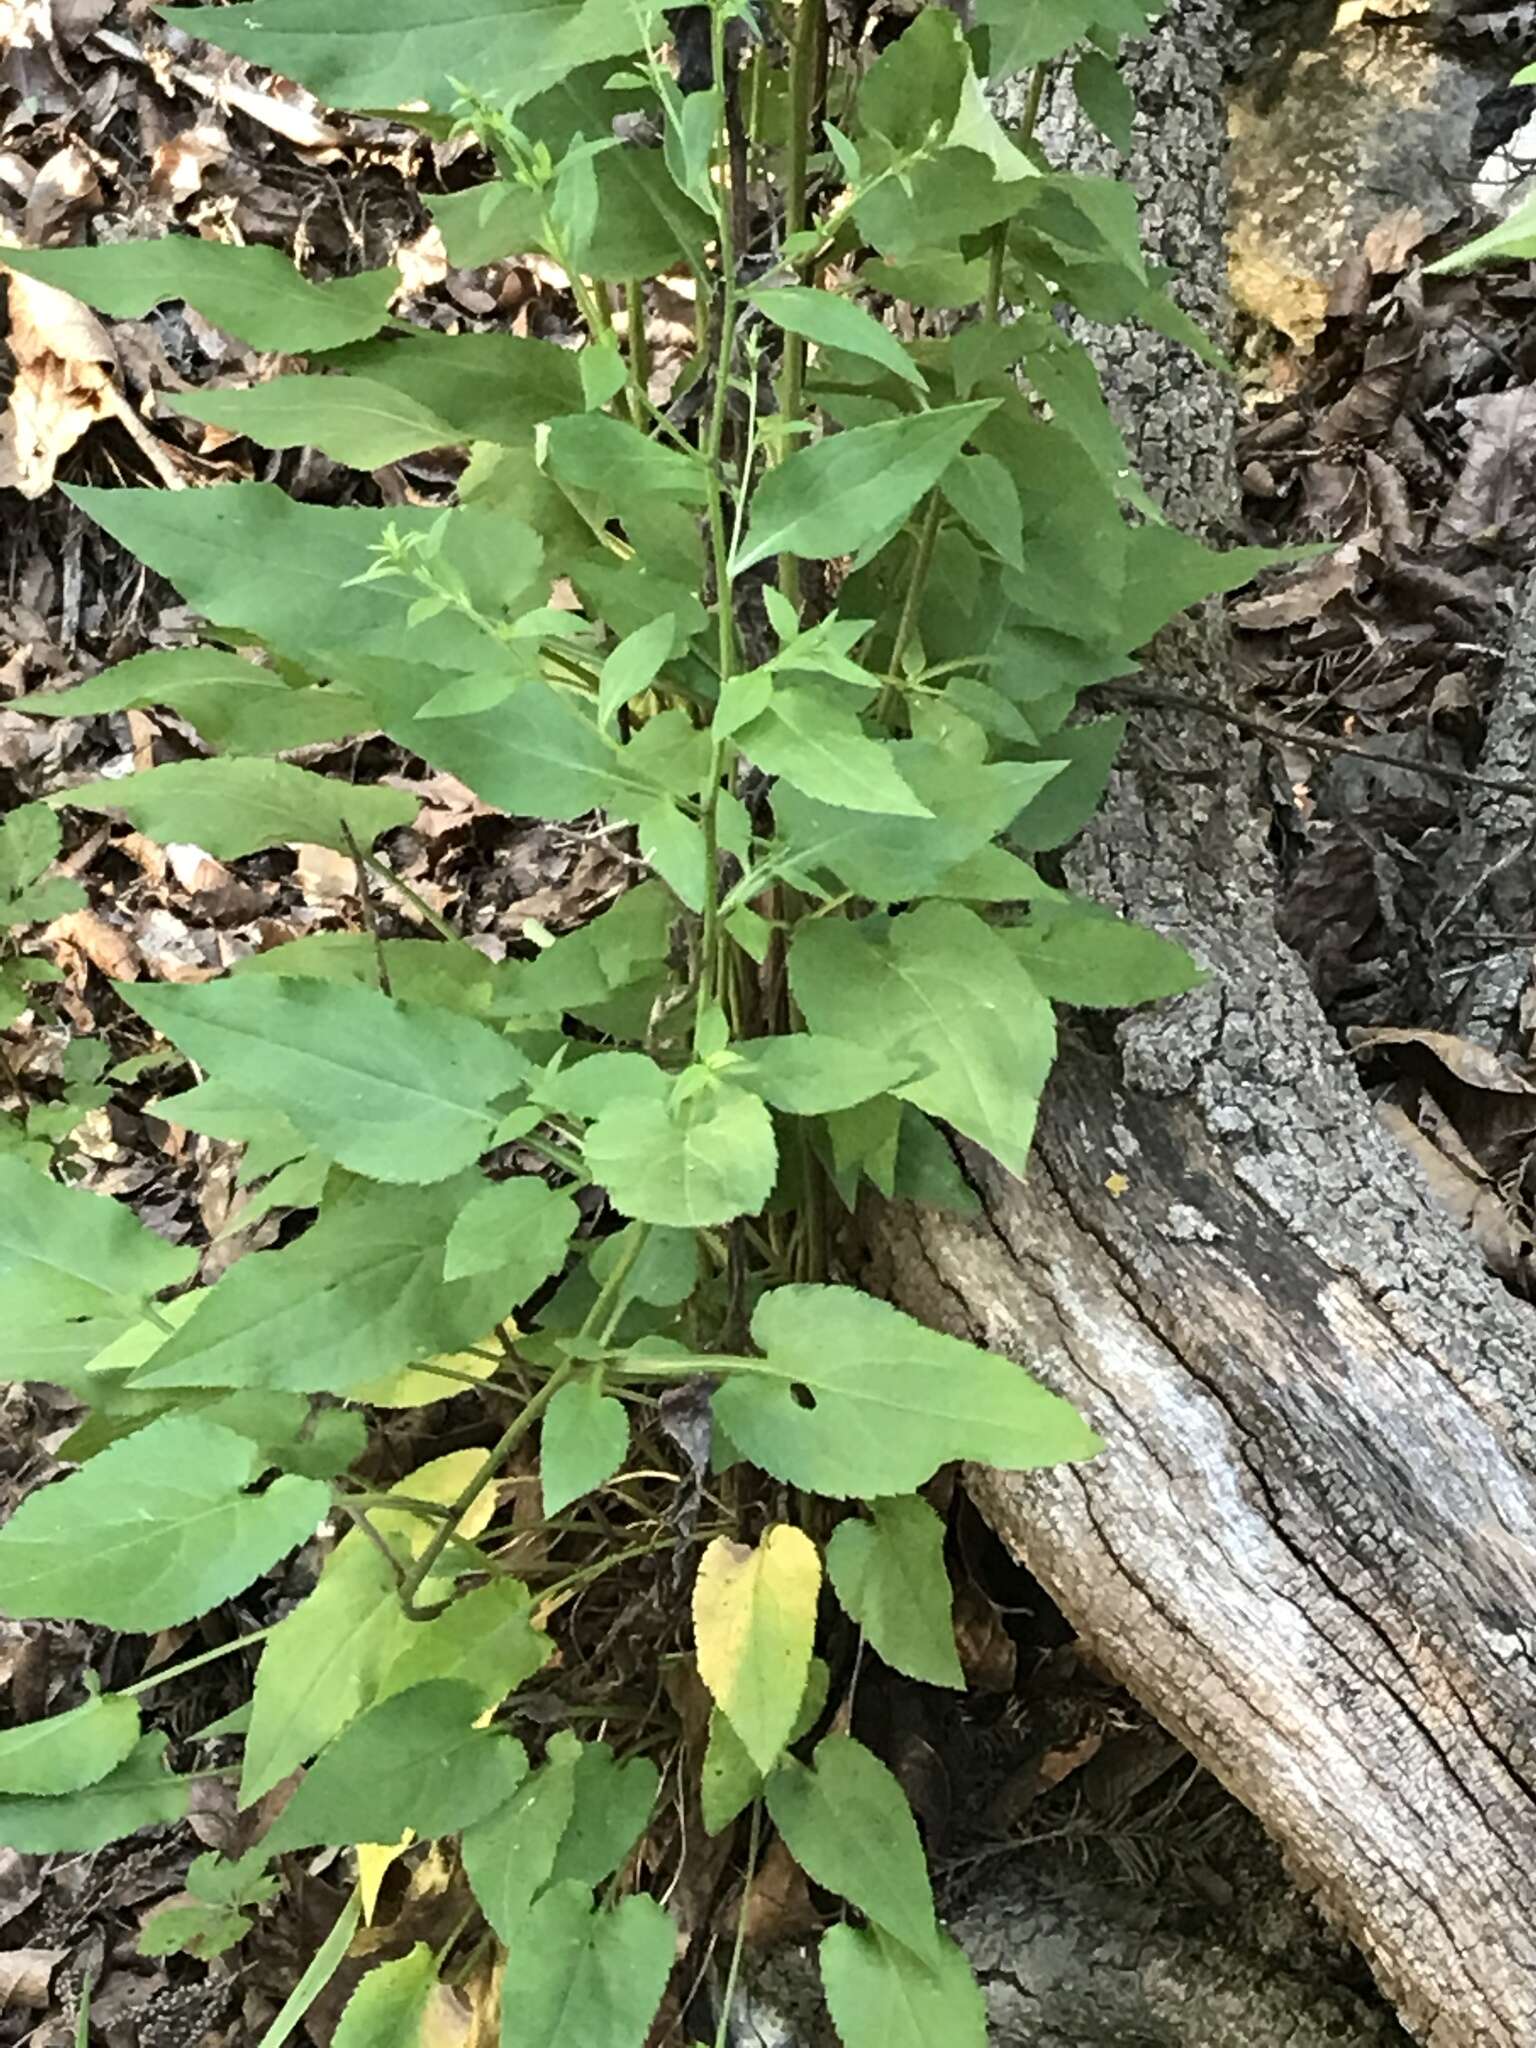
<point>721,752</point>
<point>514,1434</point>
<point>722,2032</point>
<point>639,351</point>
<point>917,578</point>
<point>802,88</point>
<point>170,1671</point>
<point>490,1465</point>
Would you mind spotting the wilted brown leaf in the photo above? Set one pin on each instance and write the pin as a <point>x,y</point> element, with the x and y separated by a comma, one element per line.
<point>1468,1200</point>
<point>64,364</point>
<point>26,1975</point>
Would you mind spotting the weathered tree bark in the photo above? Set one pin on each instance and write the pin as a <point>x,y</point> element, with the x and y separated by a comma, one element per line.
<point>1310,1548</point>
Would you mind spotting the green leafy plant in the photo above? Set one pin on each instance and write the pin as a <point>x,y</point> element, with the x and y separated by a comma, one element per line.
<point>824,611</point>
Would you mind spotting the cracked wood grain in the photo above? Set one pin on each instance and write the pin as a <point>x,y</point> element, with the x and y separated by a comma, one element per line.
<point>1310,1548</point>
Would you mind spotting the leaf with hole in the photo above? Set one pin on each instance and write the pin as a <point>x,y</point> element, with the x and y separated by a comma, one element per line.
<point>251,292</point>
<point>155,1531</point>
<point>387,1089</point>
<point>853,1398</point>
<point>889,1573</point>
<point>754,1617</point>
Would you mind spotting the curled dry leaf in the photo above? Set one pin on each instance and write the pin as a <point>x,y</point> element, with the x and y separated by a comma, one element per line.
<point>177,166</point>
<point>84,936</point>
<point>1469,1201</point>
<point>66,182</point>
<point>64,366</point>
<point>1470,1062</point>
<point>26,1975</point>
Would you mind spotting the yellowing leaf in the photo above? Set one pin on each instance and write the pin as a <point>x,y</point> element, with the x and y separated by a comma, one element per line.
<point>373,1861</point>
<point>754,1614</point>
<point>417,1386</point>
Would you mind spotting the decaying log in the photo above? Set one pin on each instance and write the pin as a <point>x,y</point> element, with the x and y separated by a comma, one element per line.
<point>1310,1548</point>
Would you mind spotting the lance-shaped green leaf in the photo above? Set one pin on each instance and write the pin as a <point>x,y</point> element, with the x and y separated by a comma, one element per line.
<point>138,1794</point>
<point>388,2009</point>
<point>1024,36</point>
<point>695,1163</point>
<point>537,755</point>
<point>254,292</point>
<point>65,1253</point>
<point>593,1975</point>
<point>830,499</point>
<point>853,1398</point>
<point>414,1761</point>
<point>893,859</point>
<point>251,558</point>
<point>356,1297</point>
<point>486,387</point>
<point>941,988</point>
<point>1077,952</point>
<point>815,741</point>
<point>582,1441</point>
<point>889,1573</point>
<point>1512,241</point>
<point>235,807</point>
<point>351,56</point>
<point>154,1531</point>
<point>881,1996</point>
<point>848,1825</point>
<point>352,419</point>
<point>838,323</point>
<point>68,1751</point>
<point>231,703</point>
<point>633,665</point>
<point>811,1074</point>
<point>614,460</point>
<point>387,1089</point>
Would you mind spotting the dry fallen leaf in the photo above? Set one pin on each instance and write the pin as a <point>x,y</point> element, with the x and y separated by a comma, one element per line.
<point>26,1975</point>
<point>1468,1200</point>
<point>87,936</point>
<point>64,365</point>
